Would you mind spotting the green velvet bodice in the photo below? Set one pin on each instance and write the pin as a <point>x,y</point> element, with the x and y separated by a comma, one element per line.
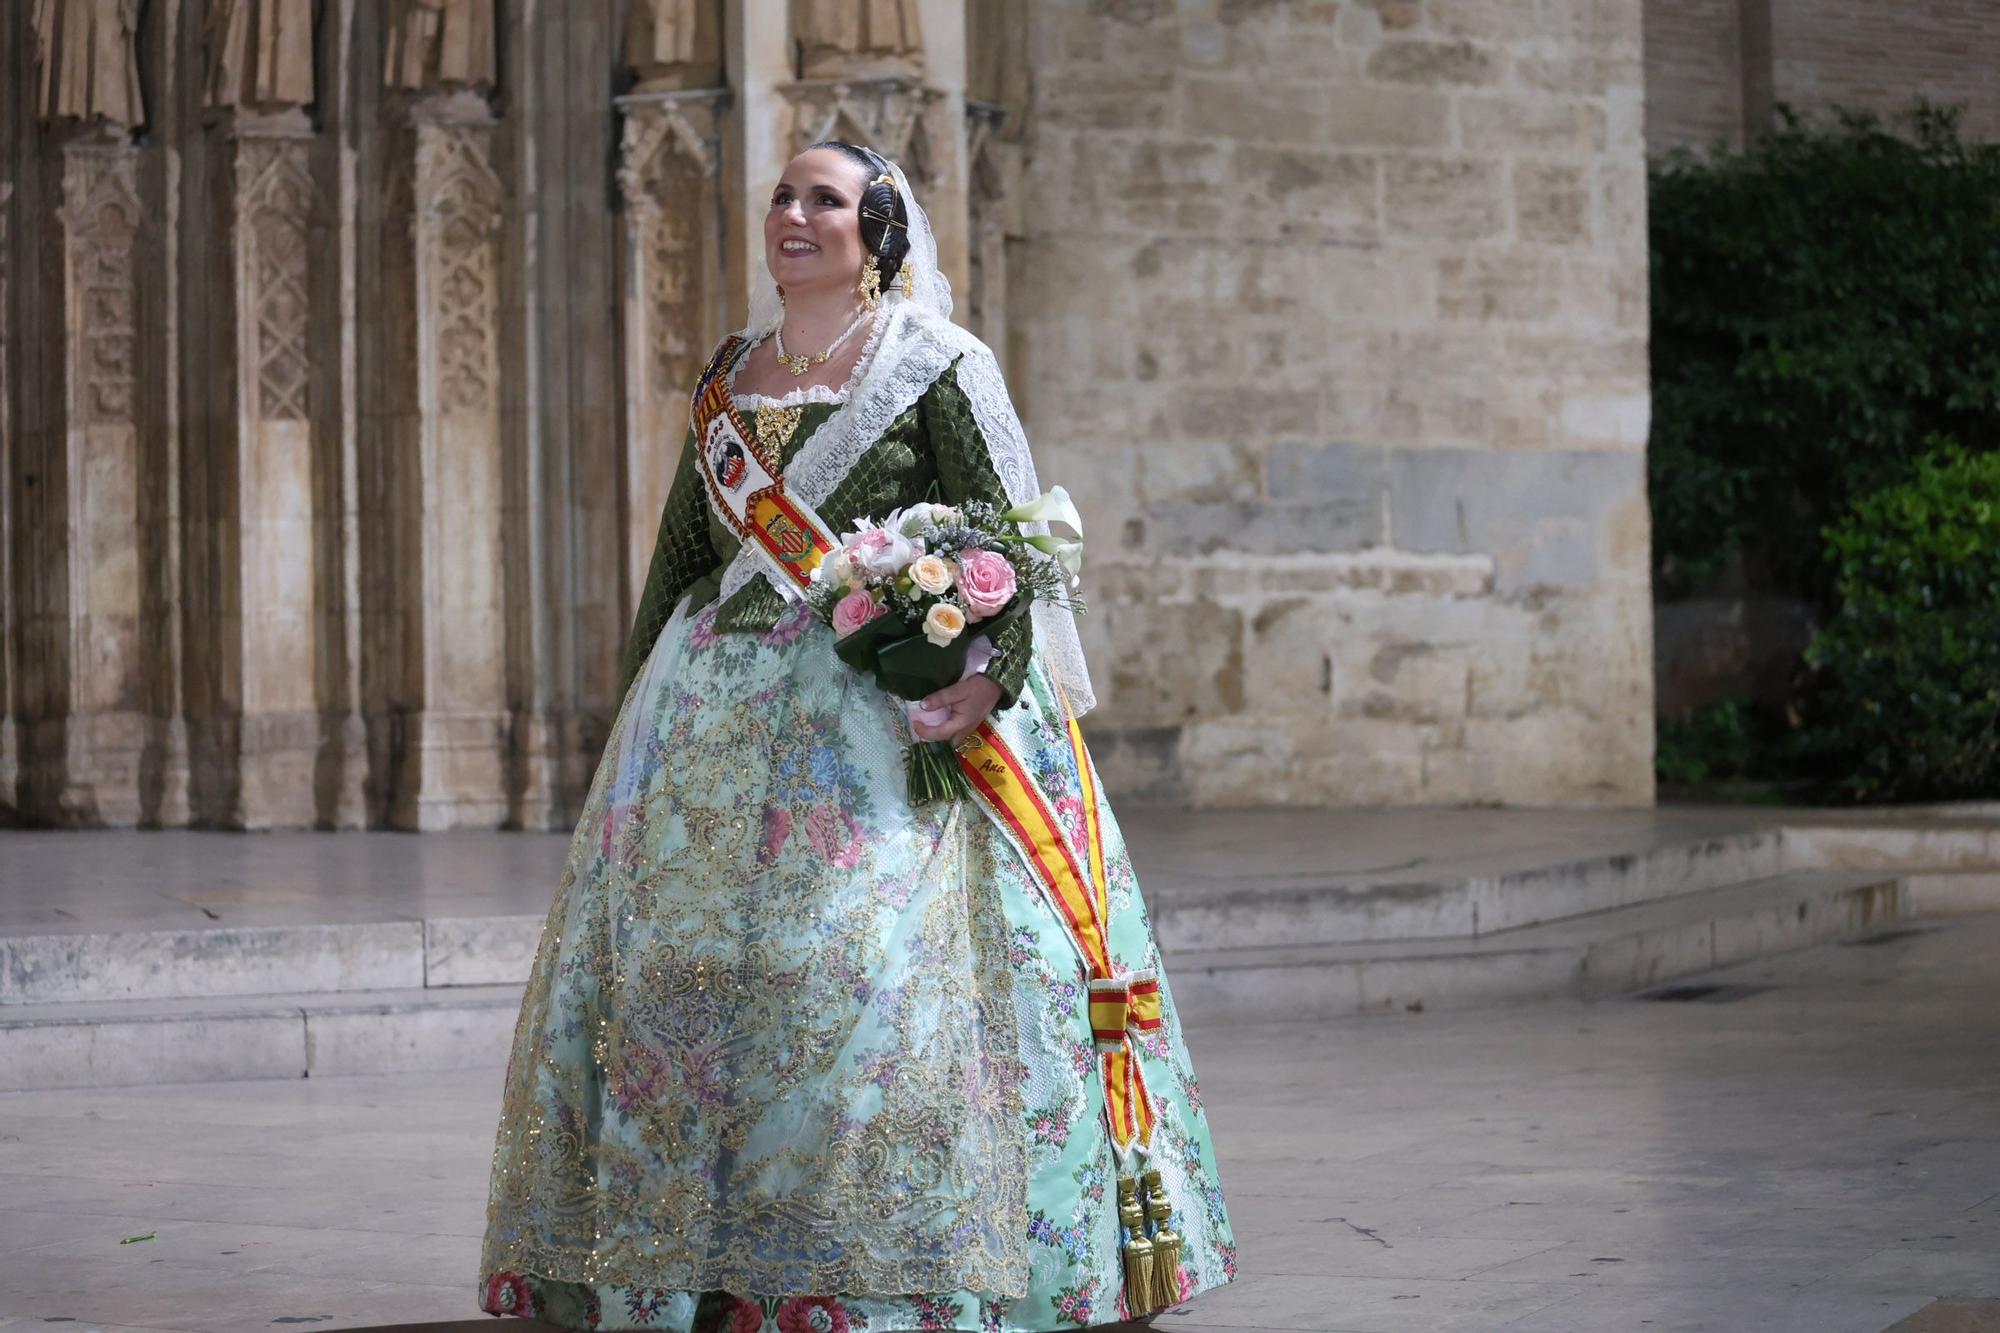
<point>934,442</point>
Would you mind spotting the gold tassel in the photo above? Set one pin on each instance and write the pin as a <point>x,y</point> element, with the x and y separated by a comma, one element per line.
<point>1141,1282</point>
<point>1166,1242</point>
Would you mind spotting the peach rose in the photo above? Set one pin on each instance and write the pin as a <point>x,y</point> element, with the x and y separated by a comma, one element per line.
<point>943,623</point>
<point>931,573</point>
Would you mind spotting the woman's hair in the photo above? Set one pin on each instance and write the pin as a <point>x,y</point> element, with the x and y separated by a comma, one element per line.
<point>888,241</point>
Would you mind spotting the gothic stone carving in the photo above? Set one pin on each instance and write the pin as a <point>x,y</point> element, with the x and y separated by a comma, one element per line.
<point>100,215</point>
<point>274,205</point>
<point>893,115</point>
<point>668,160</point>
<point>87,61</point>
<point>259,53</point>
<point>437,45</point>
<point>458,220</point>
<point>857,38</point>
<point>666,165</point>
<point>674,43</point>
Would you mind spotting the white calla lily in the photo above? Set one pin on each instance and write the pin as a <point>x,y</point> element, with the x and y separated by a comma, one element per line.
<point>1051,506</point>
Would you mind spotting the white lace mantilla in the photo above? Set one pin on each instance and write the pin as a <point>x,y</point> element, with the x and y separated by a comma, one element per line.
<point>911,348</point>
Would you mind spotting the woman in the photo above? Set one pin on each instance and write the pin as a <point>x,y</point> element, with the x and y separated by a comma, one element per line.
<point>795,1055</point>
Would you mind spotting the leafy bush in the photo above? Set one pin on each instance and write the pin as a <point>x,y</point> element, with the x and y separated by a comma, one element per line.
<point>1908,701</point>
<point>1717,743</point>
<point>1821,302</point>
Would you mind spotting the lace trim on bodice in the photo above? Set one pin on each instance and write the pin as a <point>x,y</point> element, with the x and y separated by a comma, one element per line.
<point>812,393</point>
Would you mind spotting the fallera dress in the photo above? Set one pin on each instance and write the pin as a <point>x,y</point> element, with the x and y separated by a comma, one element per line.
<point>795,1056</point>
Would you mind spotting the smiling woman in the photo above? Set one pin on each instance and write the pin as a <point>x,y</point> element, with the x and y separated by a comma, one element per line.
<point>797,1055</point>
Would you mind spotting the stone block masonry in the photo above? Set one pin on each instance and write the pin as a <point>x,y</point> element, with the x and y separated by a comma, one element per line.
<point>346,351</point>
<point>1333,315</point>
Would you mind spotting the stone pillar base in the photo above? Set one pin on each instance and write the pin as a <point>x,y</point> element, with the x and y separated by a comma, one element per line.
<point>453,771</point>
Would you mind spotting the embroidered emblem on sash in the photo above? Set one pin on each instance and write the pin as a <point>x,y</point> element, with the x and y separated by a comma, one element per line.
<point>747,488</point>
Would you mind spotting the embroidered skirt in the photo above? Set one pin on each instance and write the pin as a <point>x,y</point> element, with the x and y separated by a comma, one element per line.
<point>796,1057</point>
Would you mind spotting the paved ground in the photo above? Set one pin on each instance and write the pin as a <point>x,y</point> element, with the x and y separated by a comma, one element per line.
<point>1822,1156</point>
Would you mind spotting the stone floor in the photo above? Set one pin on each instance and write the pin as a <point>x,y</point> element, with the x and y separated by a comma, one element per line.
<point>1821,1155</point>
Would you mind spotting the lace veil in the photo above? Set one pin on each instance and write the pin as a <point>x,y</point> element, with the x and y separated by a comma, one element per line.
<point>915,341</point>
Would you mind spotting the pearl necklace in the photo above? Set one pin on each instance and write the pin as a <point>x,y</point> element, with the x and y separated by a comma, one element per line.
<point>802,362</point>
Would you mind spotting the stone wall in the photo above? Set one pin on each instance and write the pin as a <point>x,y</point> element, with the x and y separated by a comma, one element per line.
<point>1715,68</point>
<point>1334,316</point>
<point>346,347</point>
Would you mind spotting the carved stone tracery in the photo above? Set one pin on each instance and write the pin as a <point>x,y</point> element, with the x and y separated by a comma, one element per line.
<point>664,176</point>
<point>100,215</point>
<point>458,220</point>
<point>274,204</point>
<point>892,115</point>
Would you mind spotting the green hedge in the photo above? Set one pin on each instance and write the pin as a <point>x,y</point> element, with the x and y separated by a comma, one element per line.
<point>1821,303</point>
<point>1907,704</point>
<point>1826,407</point>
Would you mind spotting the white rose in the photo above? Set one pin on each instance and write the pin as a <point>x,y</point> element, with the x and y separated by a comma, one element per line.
<point>838,570</point>
<point>931,573</point>
<point>922,514</point>
<point>881,551</point>
<point>943,623</point>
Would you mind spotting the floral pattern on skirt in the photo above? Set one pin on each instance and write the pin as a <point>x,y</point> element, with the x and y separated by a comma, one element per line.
<point>795,1057</point>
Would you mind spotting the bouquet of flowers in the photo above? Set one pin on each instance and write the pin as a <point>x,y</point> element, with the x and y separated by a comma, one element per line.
<point>915,597</point>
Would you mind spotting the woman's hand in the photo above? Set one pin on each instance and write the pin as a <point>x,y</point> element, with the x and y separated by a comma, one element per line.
<point>969,701</point>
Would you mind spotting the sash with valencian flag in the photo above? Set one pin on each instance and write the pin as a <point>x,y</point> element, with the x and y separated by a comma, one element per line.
<point>746,487</point>
<point>748,492</point>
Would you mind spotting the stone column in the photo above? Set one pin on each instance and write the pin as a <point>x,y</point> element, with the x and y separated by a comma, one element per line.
<point>671,251</point>
<point>79,495</point>
<point>439,723</point>
<point>257,736</point>
<point>996,97</point>
<point>82,686</point>
<point>254,714</point>
<point>10,751</point>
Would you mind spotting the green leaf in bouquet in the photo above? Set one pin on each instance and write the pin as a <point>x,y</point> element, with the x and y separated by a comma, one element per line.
<point>859,648</point>
<point>914,667</point>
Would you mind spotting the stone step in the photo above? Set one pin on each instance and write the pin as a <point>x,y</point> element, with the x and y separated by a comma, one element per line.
<point>317,958</point>
<point>1605,953</point>
<point>124,1042</point>
<point>1612,952</point>
<point>1204,914</point>
<point>1193,912</point>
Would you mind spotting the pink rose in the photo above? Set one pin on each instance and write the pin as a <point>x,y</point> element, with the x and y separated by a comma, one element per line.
<point>985,582</point>
<point>853,611</point>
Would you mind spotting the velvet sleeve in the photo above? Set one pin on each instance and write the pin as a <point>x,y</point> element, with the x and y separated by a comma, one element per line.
<point>682,554</point>
<point>965,472</point>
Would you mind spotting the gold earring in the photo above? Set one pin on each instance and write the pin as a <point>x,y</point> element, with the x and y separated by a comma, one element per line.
<point>871,283</point>
<point>781,293</point>
<point>909,281</point>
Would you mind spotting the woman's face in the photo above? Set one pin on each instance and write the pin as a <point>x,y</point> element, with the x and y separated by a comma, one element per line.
<point>812,235</point>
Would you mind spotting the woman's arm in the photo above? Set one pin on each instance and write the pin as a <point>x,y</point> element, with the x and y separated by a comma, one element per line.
<point>681,554</point>
<point>966,472</point>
